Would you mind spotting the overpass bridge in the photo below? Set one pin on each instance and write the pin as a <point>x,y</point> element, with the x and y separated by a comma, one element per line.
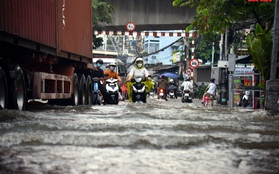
<point>150,15</point>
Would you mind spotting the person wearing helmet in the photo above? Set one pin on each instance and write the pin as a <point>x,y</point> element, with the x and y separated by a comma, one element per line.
<point>163,84</point>
<point>138,70</point>
<point>111,73</point>
<point>172,86</point>
<point>107,66</point>
<point>99,72</point>
<point>187,85</point>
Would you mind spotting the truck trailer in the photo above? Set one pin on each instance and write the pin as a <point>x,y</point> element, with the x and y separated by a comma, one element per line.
<point>45,52</point>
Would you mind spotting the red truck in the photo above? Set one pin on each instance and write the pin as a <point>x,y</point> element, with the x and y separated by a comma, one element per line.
<point>45,52</point>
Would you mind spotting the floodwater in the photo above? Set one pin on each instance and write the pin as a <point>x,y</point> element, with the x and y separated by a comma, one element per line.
<point>157,137</point>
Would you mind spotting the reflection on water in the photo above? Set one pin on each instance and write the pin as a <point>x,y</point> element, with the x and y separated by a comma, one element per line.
<point>156,137</point>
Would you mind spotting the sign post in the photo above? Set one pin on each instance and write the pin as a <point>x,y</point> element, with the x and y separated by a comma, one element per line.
<point>130,26</point>
<point>194,63</point>
<point>188,71</point>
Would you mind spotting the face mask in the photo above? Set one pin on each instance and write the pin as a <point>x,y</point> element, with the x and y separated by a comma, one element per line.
<point>99,65</point>
<point>139,65</point>
<point>112,68</point>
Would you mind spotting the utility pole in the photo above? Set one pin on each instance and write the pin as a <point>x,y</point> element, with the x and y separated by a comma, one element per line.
<point>272,85</point>
<point>275,48</point>
<point>223,72</point>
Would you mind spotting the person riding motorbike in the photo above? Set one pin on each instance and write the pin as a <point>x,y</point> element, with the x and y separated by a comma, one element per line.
<point>111,73</point>
<point>138,70</point>
<point>163,84</point>
<point>98,72</point>
<point>172,86</point>
<point>187,85</point>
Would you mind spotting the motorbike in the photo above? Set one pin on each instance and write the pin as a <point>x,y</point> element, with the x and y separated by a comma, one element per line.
<point>151,93</point>
<point>172,90</point>
<point>112,91</point>
<point>162,94</point>
<point>96,95</point>
<point>138,90</point>
<point>124,91</point>
<point>245,98</point>
<point>171,94</point>
<point>186,96</point>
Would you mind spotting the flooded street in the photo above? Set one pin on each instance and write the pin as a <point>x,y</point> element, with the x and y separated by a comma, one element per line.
<point>156,137</point>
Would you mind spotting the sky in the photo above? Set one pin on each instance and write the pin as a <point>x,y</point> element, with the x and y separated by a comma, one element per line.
<point>163,56</point>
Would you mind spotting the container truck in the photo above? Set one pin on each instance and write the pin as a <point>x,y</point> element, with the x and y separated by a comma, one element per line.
<point>45,52</point>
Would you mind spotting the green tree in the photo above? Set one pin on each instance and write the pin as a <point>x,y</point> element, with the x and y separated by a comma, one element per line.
<point>216,16</point>
<point>102,13</point>
<point>260,46</point>
<point>203,46</point>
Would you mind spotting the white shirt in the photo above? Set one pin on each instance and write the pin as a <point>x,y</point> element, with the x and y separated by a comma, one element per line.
<point>212,88</point>
<point>187,85</point>
<point>135,72</point>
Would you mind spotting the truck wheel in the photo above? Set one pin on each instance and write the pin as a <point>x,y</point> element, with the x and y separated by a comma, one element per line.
<point>18,89</point>
<point>75,96</point>
<point>82,90</point>
<point>89,90</point>
<point>3,90</point>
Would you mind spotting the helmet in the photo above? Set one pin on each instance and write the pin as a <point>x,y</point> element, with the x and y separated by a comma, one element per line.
<point>107,65</point>
<point>139,59</point>
<point>112,64</point>
<point>171,80</point>
<point>100,61</point>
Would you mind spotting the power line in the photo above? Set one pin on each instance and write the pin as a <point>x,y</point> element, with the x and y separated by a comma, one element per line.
<point>162,49</point>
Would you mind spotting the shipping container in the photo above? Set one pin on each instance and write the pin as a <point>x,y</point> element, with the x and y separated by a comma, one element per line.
<point>59,24</point>
<point>46,48</point>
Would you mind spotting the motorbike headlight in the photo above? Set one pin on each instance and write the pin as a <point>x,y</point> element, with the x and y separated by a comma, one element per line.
<point>138,79</point>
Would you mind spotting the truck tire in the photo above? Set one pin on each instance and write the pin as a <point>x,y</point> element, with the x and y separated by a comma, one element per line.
<point>75,96</point>
<point>18,89</point>
<point>89,90</point>
<point>82,90</point>
<point>3,90</point>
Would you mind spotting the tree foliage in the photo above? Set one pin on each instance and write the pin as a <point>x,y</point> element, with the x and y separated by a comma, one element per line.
<point>102,13</point>
<point>260,46</point>
<point>218,15</point>
<point>203,46</point>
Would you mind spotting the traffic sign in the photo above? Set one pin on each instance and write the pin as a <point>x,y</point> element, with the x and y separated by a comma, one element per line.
<point>188,71</point>
<point>130,26</point>
<point>194,63</point>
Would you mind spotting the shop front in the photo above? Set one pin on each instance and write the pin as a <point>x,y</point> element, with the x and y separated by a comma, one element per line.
<point>243,88</point>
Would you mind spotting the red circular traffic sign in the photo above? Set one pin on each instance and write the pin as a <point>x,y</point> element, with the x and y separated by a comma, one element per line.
<point>188,71</point>
<point>194,63</point>
<point>130,26</point>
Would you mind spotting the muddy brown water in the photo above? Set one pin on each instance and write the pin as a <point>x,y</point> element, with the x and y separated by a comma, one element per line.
<point>156,137</point>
